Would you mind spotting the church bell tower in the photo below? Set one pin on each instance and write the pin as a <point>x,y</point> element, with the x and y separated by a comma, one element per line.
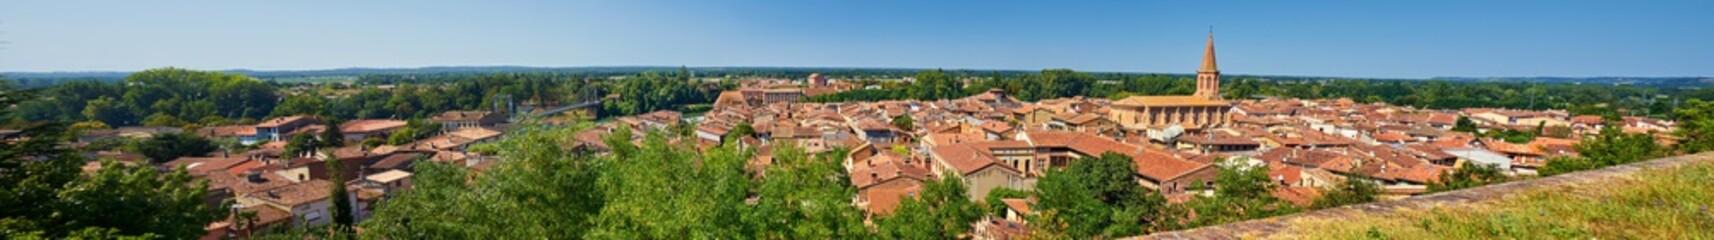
<point>1208,77</point>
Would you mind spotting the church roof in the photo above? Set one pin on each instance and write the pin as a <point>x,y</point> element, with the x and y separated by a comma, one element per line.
<point>1170,101</point>
<point>1208,57</point>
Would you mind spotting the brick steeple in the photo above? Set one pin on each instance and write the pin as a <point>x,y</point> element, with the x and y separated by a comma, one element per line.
<point>1208,77</point>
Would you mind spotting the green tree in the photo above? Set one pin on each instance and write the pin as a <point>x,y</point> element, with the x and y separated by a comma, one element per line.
<point>331,136</point>
<point>992,203</point>
<point>300,105</point>
<point>1464,125</point>
<point>1099,197</point>
<point>1354,190</point>
<point>164,120</point>
<point>47,196</point>
<point>941,211</point>
<point>1612,147</point>
<point>170,146</point>
<point>804,197</point>
<point>935,85</point>
<point>300,144</point>
<point>342,212</point>
<point>651,201</point>
<point>110,111</point>
<point>743,129</point>
<point>904,122</point>
<point>1241,192</point>
<point>539,190</point>
<point>1472,175</point>
<point>81,127</point>
<point>1695,126</point>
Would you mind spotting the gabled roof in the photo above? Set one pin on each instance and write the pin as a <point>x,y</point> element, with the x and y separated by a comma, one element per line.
<point>1022,206</point>
<point>370,125</point>
<point>277,122</point>
<point>1152,164</point>
<point>996,127</point>
<point>966,158</point>
<point>451,116</point>
<point>296,194</point>
<point>1170,101</point>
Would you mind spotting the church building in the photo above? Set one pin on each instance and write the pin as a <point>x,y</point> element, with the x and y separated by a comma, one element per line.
<point>1205,108</point>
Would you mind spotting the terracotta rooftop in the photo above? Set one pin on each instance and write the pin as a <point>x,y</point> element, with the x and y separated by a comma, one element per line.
<point>1170,101</point>
<point>370,125</point>
<point>451,116</point>
<point>966,158</point>
<point>296,194</point>
<point>1018,204</point>
<point>1153,164</point>
<point>277,122</point>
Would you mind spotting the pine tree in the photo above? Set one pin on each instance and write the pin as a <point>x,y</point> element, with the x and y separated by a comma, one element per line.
<point>342,210</point>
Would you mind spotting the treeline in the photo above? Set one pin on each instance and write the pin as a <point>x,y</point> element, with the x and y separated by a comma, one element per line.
<point>47,195</point>
<point>422,100</point>
<point>168,95</point>
<point>175,97</point>
<point>1607,100</point>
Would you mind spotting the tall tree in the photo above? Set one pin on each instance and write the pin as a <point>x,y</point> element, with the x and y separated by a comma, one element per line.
<point>343,216</point>
<point>539,190</point>
<point>1099,197</point>
<point>46,196</point>
<point>1695,126</point>
<point>941,211</point>
<point>331,137</point>
<point>170,146</point>
<point>1241,191</point>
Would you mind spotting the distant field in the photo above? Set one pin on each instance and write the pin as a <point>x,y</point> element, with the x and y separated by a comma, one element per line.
<point>1653,204</point>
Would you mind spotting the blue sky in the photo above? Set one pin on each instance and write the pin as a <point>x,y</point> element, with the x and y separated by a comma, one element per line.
<point>1409,39</point>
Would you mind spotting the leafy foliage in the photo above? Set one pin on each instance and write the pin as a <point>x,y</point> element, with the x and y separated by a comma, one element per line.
<point>1464,125</point>
<point>1695,126</point>
<point>46,196</point>
<point>542,190</point>
<point>169,146</point>
<point>1354,190</point>
<point>992,203</point>
<point>1612,147</point>
<point>652,91</point>
<point>942,211</point>
<point>1471,175</point>
<point>1098,197</point>
<point>1241,192</point>
<point>904,122</point>
<point>934,85</point>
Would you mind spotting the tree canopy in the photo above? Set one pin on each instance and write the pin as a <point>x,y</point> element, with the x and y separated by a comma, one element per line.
<point>1098,197</point>
<point>46,195</point>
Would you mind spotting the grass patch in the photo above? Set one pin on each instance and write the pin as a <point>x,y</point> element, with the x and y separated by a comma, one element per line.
<point>1653,204</point>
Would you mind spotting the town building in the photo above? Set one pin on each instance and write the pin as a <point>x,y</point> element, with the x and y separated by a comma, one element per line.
<point>1206,108</point>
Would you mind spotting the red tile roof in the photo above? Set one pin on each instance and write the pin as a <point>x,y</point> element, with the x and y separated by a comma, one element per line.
<point>296,194</point>
<point>1153,164</point>
<point>370,125</point>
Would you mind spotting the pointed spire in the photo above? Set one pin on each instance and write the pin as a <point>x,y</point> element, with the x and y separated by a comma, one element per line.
<point>1208,55</point>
